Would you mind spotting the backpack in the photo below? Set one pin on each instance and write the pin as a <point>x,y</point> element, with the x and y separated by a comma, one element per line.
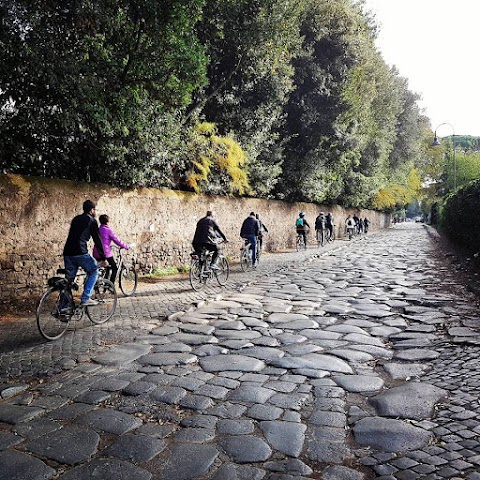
<point>299,222</point>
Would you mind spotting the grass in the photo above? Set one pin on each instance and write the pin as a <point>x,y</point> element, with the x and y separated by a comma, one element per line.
<point>167,271</point>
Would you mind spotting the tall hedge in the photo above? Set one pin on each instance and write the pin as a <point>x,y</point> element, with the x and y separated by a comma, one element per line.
<point>461,216</point>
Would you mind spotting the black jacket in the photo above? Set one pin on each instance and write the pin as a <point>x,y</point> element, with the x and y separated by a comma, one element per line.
<point>82,228</point>
<point>250,227</point>
<point>207,230</point>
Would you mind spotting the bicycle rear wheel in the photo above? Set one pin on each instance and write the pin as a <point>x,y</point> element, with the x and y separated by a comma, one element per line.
<point>197,279</point>
<point>299,243</point>
<point>128,280</point>
<point>223,271</point>
<point>50,322</point>
<point>106,296</point>
<point>245,260</point>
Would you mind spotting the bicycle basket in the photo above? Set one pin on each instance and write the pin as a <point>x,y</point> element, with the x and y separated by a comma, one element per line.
<point>57,282</point>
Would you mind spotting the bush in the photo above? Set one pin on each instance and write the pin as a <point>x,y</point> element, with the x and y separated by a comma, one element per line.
<point>461,216</point>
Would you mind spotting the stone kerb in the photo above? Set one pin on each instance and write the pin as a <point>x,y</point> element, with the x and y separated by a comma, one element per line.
<point>36,212</point>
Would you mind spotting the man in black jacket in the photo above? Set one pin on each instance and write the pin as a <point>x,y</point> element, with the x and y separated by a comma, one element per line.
<point>206,233</point>
<point>249,232</point>
<point>75,252</point>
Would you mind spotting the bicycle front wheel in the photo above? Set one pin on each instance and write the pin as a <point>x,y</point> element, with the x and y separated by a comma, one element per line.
<point>197,280</point>
<point>51,324</point>
<point>222,272</point>
<point>106,296</point>
<point>128,280</point>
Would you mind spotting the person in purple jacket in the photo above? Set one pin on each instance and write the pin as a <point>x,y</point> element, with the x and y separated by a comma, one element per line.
<point>108,236</point>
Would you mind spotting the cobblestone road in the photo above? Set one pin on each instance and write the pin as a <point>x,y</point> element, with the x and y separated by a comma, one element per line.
<point>361,363</point>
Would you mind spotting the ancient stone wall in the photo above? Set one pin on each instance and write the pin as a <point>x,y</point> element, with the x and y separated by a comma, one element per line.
<point>35,214</point>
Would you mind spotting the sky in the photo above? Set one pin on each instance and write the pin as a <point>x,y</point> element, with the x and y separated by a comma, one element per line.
<point>435,44</point>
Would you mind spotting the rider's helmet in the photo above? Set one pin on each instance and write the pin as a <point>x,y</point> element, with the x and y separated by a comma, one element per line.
<point>322,213</point>
<point>301,214</point>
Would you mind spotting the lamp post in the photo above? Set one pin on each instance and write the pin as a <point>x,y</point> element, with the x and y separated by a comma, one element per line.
<point>436,143</point>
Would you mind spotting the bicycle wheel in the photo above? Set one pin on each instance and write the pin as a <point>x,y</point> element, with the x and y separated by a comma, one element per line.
<point>258,251</point>
<point>106,296</point>
<point>127,280</point>
<point>299,242</point>
<point>245,260</point>
<point>222,272</point>
<point>51,324</point>
<point>197,280</point>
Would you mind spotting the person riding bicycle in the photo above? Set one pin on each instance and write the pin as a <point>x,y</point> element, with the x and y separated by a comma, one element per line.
<point>350,225</point>
<point>302,225</point>
<point>356,220</point>
<point>108,236</point>
<point>329,223</point>
<point>261,228</point>
<point>366,224</point>
<point>250,231</point>
<point>75,252</point>
<point>320,224</point>
<point>206,234</point>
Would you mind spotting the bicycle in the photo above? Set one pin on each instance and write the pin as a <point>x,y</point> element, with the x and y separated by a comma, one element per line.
<point>331,236</point>
<point>246,257</point>
<point>201,273</point>
<point>321,236</point>
<point>57,306</point>
<point>350,231</point>
<point>127,274</point>
<point>300,243</point>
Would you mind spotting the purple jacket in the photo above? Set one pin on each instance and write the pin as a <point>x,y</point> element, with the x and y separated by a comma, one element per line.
<point>107,236</point>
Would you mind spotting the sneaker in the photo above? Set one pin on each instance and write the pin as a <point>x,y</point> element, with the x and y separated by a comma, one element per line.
<point>89,303</point>
<point>213,266</point>
<point>66,311</point>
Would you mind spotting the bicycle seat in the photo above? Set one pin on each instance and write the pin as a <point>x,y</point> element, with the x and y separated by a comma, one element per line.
<point>61,271</point>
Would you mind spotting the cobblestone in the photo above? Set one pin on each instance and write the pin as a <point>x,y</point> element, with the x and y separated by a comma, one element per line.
<point>230,383</point>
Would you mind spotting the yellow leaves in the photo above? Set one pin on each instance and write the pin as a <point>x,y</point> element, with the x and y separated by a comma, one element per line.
<point>395,194</point>
<point>217,162</point>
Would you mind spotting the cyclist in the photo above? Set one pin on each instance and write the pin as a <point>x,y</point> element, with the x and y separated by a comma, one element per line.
<point>108,236</point>
<point>206,234</point>
<point>320,224</point>
<point>250,231</point>
<point>360,225</point>
<point>75,251</point>
<point>329,224</point>
<point>261,228</point>
<point>357,225</point>
<point>350,226</point>
<point>366,223</point>
<point>302,226</point>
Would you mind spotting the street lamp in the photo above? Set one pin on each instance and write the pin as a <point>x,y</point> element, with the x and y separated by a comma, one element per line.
<point>436,143</point>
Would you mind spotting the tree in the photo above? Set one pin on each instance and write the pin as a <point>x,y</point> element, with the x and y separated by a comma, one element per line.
<point>250,44</point>
<point>93,87</point>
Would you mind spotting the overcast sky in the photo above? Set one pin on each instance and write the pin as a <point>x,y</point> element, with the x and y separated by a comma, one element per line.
<point>435,44</point>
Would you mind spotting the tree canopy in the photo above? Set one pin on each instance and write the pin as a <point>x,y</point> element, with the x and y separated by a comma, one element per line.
<point>284,99</point>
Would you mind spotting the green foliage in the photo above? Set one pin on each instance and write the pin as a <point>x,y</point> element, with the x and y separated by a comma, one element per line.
<point>460,216</point>
<point>273,98</point>
<point>93,86</point>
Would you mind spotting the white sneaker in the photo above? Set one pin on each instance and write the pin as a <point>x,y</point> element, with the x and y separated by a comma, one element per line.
<point>213,266</point>
<point>89,303</point>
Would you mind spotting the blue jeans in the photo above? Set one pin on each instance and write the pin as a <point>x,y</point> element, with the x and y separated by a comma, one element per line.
<point>252,239</point>
<point>89,264</point>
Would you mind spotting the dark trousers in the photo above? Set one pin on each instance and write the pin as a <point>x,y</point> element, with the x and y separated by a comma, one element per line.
<point>114,268</point>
